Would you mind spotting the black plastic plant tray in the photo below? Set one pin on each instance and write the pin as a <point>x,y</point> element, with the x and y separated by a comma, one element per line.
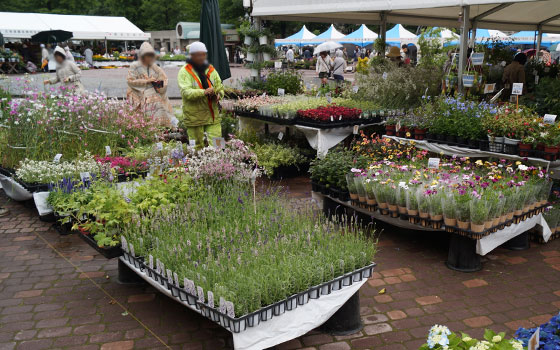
<point>7,171</point>
<point>239,324</point>
<point>109,253</point>
<point>34,187</point>
<point>131,176</point>
<point>327,125</point>
<point>274,120</point>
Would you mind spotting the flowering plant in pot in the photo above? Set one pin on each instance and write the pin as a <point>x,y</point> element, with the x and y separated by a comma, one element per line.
<point>423,203</point>
<point>448,208</point>
<point>402,191</point>
<point>463,210</point>
<point>369,184</point>
<point>441,338</point>
<point>479,215</point>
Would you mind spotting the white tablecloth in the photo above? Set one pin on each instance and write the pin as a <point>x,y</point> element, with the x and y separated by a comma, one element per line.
<point>494,240</point>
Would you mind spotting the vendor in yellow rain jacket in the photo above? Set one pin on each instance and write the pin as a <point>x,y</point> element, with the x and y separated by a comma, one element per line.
<point>201,89</point>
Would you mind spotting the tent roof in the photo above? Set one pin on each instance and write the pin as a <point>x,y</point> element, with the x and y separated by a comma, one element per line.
<point>301,37</point>
<point>330,33</point>
<point>399,32</point>
<point>362,35</point>
<point>24,25</point>
<point>496,14</point>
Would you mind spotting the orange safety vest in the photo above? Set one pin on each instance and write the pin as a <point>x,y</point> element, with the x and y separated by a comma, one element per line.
<point>189,69</point>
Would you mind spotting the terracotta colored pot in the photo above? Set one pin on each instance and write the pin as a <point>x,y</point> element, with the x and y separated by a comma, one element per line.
<point>510,215</point>
<point>424,215</point>
<point>370,201</point>
<point>402,210</point>
<point>392,207</point>
<point>436,217</point>
<point>477,228</point>
<point>383,205</point>
<point>362,199</point>
<point>353,196</point>
<point>412,212</point>
<point>524,149</point>
<point>463,225</point>
<point>450,222</point>
<point>496,221</point>
<point>488,224</point>
<point>518,213</point>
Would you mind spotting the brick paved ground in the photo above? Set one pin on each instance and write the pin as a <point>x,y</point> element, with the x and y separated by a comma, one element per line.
<point>49,301</point>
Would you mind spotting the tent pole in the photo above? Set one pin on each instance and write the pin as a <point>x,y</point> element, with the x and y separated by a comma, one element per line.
<point>463,45</point>
<point>106,48</point>
<point>383,30</point>
<point>473,34</point>
<point>539,41</point>
<point>125,46</point>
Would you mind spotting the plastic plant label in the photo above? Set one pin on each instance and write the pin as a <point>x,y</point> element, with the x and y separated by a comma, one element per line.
<point>332,118</point>
<point>398,126</point>
<point>278,65</point>
<point>329,98</point>
<point>222,307</point>
<point>107,151</point>
<point>230,309</point>
<point>280,135</point>
<point>124,244</point>
<point>517,89</point>
<point>85,176</point>
<point>433,163</point>
<point>159,146</point>
<point>339,117</point>
<point>549,118</point>
<point>176,278</point>
<point>158,265</point>
<point>536,80</point>
<point>355,89</point>
<point>219,142</point>
<point>162,269</point>
<point>281,92</point>
<point>169,276</point>
<point>355,129</point>
<point>151,262</point>
<point>489,88</point>
<point>200,293</point>
<point>534,340</point>
<point>384,75</point>
<point>192,143</point>
<point>132,250</point>
<point>210,299</point>
<point>57,157</point>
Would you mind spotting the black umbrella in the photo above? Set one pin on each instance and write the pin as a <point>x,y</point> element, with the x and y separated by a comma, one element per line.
<point>52,36</point>
<point>211,36</point>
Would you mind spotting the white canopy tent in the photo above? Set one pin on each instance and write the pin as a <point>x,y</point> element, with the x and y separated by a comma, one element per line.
<point>23,25</point>
<point>516,15</point>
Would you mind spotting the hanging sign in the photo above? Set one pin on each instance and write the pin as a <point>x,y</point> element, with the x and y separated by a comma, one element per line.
<point>489,88</point>
<point>549,118</point>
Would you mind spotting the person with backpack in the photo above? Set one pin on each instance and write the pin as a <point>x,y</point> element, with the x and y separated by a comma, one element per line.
<point>339,66</point>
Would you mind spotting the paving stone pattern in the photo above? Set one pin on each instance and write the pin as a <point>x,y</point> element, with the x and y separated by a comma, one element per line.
<point>73,300</point>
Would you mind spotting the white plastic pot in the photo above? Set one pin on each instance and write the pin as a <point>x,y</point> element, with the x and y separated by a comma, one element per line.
<point>468,80</point>
<point>250,57</point>
<point>509,141</point>
<point>266,56</point>
<point>263,40</point>
<point>254,72</point>
<point>477,58</point>
<point>248,40</point>
<point>14,190</point>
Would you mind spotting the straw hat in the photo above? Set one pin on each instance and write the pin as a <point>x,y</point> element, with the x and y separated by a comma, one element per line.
<point>394,52</point>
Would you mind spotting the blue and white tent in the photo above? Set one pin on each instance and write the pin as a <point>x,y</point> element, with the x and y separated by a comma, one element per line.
<point>483,35</point>
<point>363,36</point>
<point>399,35</point>
<point>448,37</point>
<point>528,37</point>
<point>300,38</point>
<point>329,34</point>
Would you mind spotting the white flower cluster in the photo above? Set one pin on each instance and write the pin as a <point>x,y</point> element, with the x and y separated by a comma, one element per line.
<point>438,336</point>
<point>44,172</point>
<point>481,345</point>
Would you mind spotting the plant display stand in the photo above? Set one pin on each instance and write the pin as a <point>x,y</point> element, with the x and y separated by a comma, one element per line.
<point>320,138</point>
<point>465,250</point>
<point>253,332</point>
<point>552,167</point>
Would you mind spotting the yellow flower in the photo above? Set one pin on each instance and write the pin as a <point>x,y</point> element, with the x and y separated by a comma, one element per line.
<point>517,163</point>
<point>478,162</point>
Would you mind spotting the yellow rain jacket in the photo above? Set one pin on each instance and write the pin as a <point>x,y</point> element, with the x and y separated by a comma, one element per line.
<point>198,109</point>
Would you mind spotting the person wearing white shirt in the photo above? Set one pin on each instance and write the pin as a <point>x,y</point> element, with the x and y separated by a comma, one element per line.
<point>323,67</point>
<point>290,55</point>
<point>69,55</point>
<point>44,58</point>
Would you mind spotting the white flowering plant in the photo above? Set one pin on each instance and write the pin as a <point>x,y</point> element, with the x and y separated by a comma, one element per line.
<point>46,172</point>
<point>441,338</point>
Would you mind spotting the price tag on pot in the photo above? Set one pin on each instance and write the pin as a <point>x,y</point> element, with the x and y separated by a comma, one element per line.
<point>281,92</point>
<point>159,146</point>
<point>534,340</point>
<point>151,261</point>
<point>384,75</point>
<point>356,129</point>
<point>517,89</point>
<point>280,136</point>
<point>549,118</point>
<point>219,142</point>
<point>355,88</point>
<point>107,150</point>
<point>536,80</point>
<point>278,65</point>
<point>433,163</point>
<point>124,244</point>
<point>57,157</point>
<point>85,176</point>
<point>489,88</point>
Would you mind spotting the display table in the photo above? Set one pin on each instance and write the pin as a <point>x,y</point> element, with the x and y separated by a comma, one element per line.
<point>464,252</point>
<point>278,329</point>
<point>320,139</point>
<point>552,167</point>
